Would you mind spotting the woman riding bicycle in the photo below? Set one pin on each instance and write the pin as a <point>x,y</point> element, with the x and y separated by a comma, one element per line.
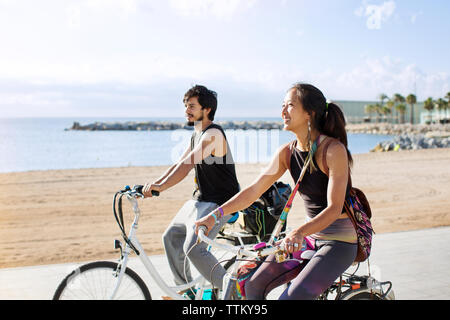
<point>323,188</point>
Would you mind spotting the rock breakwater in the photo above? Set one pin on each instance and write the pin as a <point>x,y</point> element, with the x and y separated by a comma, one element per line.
<point>163,125</point>
<point>407,136</point>
<point>413,142</point>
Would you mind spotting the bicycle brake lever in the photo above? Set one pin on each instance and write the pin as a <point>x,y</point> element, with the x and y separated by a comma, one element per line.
<point>127,188</point>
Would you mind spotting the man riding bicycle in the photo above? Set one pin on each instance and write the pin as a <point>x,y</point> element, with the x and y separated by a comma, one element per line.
<point>216,182</point>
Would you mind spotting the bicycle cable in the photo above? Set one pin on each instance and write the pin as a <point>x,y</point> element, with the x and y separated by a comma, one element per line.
<point>184,266</point>
<point>119,219</point>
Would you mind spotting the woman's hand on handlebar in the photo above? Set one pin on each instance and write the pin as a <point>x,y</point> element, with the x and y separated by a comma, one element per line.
<point>293,242</point>
<point>150,188</point>
<point>208,221</point>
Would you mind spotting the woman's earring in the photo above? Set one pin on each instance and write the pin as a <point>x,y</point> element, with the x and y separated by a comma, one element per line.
<point>312,147</point>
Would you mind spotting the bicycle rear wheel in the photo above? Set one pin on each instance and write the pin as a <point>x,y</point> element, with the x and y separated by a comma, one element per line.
<point>97,280</point>
<point>367,294</point>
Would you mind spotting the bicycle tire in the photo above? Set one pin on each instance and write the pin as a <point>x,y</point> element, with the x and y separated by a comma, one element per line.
<point>81,283</point>
<point>365,294</point>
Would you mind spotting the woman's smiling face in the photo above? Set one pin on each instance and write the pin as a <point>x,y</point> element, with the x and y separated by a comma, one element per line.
<point>293,114</point>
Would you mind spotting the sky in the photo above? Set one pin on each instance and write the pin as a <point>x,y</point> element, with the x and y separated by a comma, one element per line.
<point>137,58</point>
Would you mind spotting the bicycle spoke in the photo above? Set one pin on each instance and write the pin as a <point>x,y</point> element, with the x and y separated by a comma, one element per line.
<point>98,281</point>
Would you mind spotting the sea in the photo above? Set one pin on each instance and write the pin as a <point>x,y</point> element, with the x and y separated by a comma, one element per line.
<point>28,144</point>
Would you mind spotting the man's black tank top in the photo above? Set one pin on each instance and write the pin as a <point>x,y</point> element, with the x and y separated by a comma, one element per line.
<point>215,177</point>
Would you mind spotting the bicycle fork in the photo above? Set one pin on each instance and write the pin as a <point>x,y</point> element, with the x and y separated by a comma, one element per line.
<point>230,281</point>
<point>123,261</point>
<point>121,266</point>
<point>124,253</point>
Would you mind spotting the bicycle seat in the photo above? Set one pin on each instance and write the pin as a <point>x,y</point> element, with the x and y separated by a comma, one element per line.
<point>233,218</point>
<point>307,254</point>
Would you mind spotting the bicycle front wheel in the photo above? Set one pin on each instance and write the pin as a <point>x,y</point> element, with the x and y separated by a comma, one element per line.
<point>97,280</point>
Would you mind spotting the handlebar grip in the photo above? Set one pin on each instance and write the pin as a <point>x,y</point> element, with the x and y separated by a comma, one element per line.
<point>138,188</point>
<point>202,228</point>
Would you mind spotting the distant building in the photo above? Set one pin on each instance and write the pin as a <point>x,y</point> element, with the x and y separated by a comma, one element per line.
<point>354,112</point>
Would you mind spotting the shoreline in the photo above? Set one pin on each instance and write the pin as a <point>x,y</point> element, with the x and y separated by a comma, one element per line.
<point>59,216</point>
<point>384,128</point>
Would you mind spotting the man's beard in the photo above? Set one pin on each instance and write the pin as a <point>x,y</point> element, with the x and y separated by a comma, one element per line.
<point>192,123</point>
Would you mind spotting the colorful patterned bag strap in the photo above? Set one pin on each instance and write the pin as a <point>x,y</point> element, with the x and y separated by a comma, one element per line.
<point>293,143</point>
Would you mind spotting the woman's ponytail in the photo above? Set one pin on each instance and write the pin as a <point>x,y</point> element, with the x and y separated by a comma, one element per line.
<point>333,125</point>
<point>328,117</point>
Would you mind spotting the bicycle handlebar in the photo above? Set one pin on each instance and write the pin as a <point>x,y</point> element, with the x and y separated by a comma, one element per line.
<point>138,189</point>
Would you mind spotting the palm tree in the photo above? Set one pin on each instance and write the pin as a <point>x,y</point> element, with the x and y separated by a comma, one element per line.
<point>385,110</point>
<point>379,106</point>
<point>441,104</point>
<point>447,96</point>
<point>398,98</point>
<point>411,100</point>
<point>378,110</point>
<point>429,106</point>
<point>401,108</point>
<point>369,108</point>
<point>390,104</point>
<point>382,97</point>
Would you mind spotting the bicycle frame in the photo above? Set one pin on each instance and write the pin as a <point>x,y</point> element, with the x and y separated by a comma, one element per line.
<point>240,252</point>
<point>171,291</point>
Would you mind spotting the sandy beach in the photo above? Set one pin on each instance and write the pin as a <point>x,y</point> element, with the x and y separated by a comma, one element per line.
<point>63,216</point>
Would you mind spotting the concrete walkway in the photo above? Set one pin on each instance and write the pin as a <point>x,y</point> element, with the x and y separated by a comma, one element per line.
<point>417,263</point>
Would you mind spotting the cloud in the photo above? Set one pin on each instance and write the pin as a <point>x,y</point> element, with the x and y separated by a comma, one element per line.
<point>389,76</point>
<point>112,9</point>
<point>223,9</point>
<point>241,92</point>
<point>73,17</point>
<point>414,16</point>
<point>376,14</point>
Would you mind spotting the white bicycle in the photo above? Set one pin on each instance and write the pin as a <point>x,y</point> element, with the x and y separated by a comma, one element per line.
<point>114,280</point>
<point>110,280</point>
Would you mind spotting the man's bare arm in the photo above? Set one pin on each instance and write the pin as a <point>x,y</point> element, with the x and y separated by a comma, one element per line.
<point>207,145</point>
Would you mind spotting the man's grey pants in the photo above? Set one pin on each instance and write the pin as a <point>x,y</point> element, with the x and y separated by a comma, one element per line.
<point>180,237</point>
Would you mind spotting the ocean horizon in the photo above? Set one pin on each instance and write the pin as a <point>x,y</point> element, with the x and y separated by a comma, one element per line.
<point>28,144</point>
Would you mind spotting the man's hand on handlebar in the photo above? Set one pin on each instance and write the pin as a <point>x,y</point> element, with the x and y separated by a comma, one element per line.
<point>207,221</point>
<point>151,189</point>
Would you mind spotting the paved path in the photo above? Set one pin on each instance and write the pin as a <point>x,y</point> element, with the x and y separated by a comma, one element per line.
<point>417,262</point>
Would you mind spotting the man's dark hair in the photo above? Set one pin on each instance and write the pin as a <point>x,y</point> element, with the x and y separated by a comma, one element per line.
<point>206,98</point>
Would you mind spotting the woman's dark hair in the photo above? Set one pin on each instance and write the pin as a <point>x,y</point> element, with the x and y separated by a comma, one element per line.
<point>206,98</point>
<point>326,118</point>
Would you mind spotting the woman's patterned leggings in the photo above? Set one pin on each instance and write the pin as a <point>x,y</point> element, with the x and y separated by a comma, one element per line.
<point>310,279</point>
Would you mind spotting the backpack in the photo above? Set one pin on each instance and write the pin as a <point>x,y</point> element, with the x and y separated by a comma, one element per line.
<point>358,209</point>
<point>261,217</point>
